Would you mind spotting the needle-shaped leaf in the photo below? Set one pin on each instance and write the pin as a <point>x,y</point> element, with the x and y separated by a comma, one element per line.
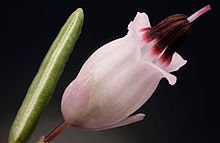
<point>45,81</point>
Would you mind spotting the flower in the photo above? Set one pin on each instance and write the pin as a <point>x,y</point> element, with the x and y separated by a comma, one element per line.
<point>121,76</point>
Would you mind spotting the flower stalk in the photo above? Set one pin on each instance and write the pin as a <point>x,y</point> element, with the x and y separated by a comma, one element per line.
<point>59,129</point>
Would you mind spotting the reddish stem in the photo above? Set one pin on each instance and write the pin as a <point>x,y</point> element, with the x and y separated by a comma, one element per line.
<point>59,129</point>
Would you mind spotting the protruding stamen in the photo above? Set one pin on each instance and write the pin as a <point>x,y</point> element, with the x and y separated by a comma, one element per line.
<point>198,13</point>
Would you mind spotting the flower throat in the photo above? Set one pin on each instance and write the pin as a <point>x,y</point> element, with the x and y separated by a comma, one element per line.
<point>171,33</point>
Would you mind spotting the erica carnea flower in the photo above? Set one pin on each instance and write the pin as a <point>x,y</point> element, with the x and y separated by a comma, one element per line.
<point>122,75</point>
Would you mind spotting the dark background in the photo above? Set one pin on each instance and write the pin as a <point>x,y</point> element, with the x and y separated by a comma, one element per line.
<point>184,113</point>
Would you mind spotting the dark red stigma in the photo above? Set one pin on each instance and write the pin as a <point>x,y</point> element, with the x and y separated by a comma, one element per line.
<point>170,34</point>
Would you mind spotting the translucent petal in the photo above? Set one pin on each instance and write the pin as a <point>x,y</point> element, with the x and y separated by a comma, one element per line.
<point>176,63</point>
<point>126,121</point>
<point>122,93</point>
<point>75,99</point>
<point>124,77</point>
<point>140,21</point>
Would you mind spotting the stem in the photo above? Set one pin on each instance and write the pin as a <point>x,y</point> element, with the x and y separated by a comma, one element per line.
<point>59,129</point>
<point>198,13</point>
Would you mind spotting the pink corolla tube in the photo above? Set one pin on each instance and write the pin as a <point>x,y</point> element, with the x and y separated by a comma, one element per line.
<point>121,76</point>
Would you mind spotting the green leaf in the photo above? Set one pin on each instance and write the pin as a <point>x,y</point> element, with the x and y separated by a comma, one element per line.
<point>45,81</point>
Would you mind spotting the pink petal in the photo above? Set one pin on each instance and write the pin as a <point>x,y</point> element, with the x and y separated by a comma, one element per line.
<point>140,21</point>
<point>75,99</point>
<point>118,95</point>
<point>113,57</point>
<point>171,78</point>
<point>124,78</point>
<point>126,121</point>
<point>136,29</point>
<point>176,63</point>
<point>129,45</point>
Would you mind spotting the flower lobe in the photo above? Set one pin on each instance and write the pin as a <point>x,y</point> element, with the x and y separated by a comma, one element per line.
<point>170,34</point>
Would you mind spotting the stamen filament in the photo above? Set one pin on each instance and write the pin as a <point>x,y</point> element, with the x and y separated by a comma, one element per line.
<point>198,13</point>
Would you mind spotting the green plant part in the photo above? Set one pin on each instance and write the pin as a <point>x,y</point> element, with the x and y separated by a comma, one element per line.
<point>45,81</point>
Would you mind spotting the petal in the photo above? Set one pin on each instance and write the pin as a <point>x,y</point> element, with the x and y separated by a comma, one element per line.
<point>140,22</point>
<point>127,45</point>
<point>146,49</point>
<point>116,97</point>
<point>123,81</point>
<point>110,62</point>
<point>171,78</point>
<point>147,52</point>
<point>75,99</point>
<point>113,57</point>
<point>126,121</point>
<point>176,63</point>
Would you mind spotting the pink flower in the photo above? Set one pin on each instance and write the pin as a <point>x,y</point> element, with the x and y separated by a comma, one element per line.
<point>123,74</point>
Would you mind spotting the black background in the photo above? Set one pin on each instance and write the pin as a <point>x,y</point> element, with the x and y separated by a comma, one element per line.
<point>184,113</point>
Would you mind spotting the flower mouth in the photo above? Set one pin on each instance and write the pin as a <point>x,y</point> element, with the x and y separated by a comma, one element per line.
<point>171,33</point>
